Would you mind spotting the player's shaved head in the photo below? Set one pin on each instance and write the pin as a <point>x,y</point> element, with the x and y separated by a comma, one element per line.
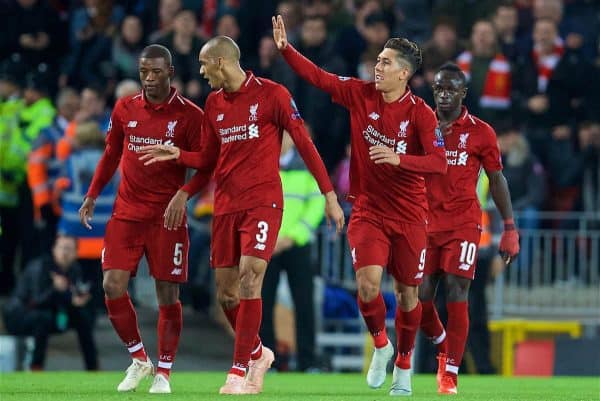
<point>222,46</point>
<point>157,51</point>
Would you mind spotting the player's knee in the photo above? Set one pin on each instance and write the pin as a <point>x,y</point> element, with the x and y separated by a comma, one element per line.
<point>457,289</point>
<point>249,283</point>
<point>407,297</point>
<point>367,290</point>
<point>426,292</point>
<point>227,300</point>
<point>113,288</point>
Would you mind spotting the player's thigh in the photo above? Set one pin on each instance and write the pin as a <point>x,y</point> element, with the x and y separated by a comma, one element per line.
<point>225,249</point>
<point>167,252</point>
<point>459,256</point>
<point>409,250</point>
<point>259,229</point>
<point>123,245</point>
<point>369,245</point>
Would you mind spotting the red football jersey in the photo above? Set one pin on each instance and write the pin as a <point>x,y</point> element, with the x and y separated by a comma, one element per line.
<point>407,125</point>
<point>452,197</point>
<point>145,191</point>
<point>241,142</point>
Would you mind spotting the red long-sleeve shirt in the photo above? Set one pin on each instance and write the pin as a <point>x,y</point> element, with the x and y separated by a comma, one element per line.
<point>452,197</point>
<point>145,191</point>
<point>241,143</point>
<point>407,125</point>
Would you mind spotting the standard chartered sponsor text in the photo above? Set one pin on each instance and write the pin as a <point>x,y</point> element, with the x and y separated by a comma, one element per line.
<point>142,141</point>
<point>375,137</point>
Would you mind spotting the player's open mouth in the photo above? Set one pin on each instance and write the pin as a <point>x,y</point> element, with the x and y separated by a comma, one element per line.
<point>378,78</point>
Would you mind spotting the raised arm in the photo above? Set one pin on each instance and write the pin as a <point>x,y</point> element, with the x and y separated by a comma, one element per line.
<point>338,87</point>
<point>106,167</point>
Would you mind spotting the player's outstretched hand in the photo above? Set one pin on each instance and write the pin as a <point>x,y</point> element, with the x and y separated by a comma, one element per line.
<point>279,35</point>
<point>509,242</point>
<point>333,211</point>
<point>382,154</point>
<point>175,210</point>
<point>86,212</point>
<point>159,153</point>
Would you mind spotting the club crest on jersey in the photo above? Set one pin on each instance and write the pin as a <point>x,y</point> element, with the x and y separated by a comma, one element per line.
<point>462,144</point>
<point>403,127</point>
<point>171,129</point>
<point>253,111</point>
<point>439,138</point>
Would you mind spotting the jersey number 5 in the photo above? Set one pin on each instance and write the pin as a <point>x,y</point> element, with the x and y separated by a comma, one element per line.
<point>178,254</point>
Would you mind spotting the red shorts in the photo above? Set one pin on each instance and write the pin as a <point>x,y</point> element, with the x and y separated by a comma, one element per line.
<point>399,246</point>
<point>166,250</point>
<point>453,252</point>
<point>250,232</point>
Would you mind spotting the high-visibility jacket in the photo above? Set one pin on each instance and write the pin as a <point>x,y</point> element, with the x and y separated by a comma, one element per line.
<point>43,167</point>
<point>74,183</point>
<point>303,204</point>
<point>65,144</point>
<point>17,140</point>
<point>483,190</point>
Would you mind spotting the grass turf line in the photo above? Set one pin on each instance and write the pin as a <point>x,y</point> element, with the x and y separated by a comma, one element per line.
<point>74,386</point>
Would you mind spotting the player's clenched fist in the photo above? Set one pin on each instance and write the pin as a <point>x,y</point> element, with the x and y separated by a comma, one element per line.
<point>279,35</point>
<point>509,242</point>
<point>159,153</point>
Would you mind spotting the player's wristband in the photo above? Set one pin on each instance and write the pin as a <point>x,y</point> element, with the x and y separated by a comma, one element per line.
<point>509,224</point>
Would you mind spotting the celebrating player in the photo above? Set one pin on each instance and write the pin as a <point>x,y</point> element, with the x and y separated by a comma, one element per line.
<point>394,142</point>
<point>156,115</point>
<point>455,220</point>
<point>241,136</point>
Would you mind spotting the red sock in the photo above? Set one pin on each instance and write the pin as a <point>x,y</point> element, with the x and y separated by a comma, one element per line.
<point>407,324</point>
<point>432,327</point>
<point>458,329</point>
<point>246,333</point>
<point>374,314</point>
<point>170,322</point>
<point>231,315</point>
<point>124,319</point>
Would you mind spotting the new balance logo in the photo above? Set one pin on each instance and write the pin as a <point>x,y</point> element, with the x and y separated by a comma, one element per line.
<point>132,124</point>
<point>176,271</point>
<point>419,275</point>
<point>260,247</point>
<point>220,117</point>
<point>252,131</point>
<point>401,147</point>
<point>374,116</point>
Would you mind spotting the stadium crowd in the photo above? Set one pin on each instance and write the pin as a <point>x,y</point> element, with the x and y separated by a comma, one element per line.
<point>533,68</point>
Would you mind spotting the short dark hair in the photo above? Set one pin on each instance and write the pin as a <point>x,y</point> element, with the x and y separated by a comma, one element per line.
<point>407,50</point>
<point>452,67</point>
<point>157,51</point>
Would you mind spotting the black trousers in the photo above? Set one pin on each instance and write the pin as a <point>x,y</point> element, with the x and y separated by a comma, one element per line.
<point>296,262</point>
<point>41,323</point>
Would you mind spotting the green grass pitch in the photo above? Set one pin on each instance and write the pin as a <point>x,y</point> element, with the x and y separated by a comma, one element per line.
<point>73,386</point>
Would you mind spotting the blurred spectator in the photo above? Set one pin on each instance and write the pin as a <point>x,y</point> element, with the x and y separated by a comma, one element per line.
<point>43,166</point>
<point>525,176</point>
<point>51,297</point>
<point>489,75</point>
<point>506,22</point>
<point>555,87</point>
<point>93,108</point>
<point>341,182</point>
<point>302,215</point>
<point>465,13</point>
<point>127,87</point>
<point>589,165</point>
<point>167,11</point>
<point>127,47</point>
<point>413,19</point>
<point>71,187</point>
<point>329,133</point>
<point>185,47</point>
<point>228,26</point>
<point>291,13</point>
<point>32,29</point>
<point>15,219</point>
<point>352,42</point>
<point>92,29</point>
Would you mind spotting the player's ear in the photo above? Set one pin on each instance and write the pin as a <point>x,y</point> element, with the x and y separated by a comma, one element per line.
<point>463,93</point>
<point>171,72</point>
